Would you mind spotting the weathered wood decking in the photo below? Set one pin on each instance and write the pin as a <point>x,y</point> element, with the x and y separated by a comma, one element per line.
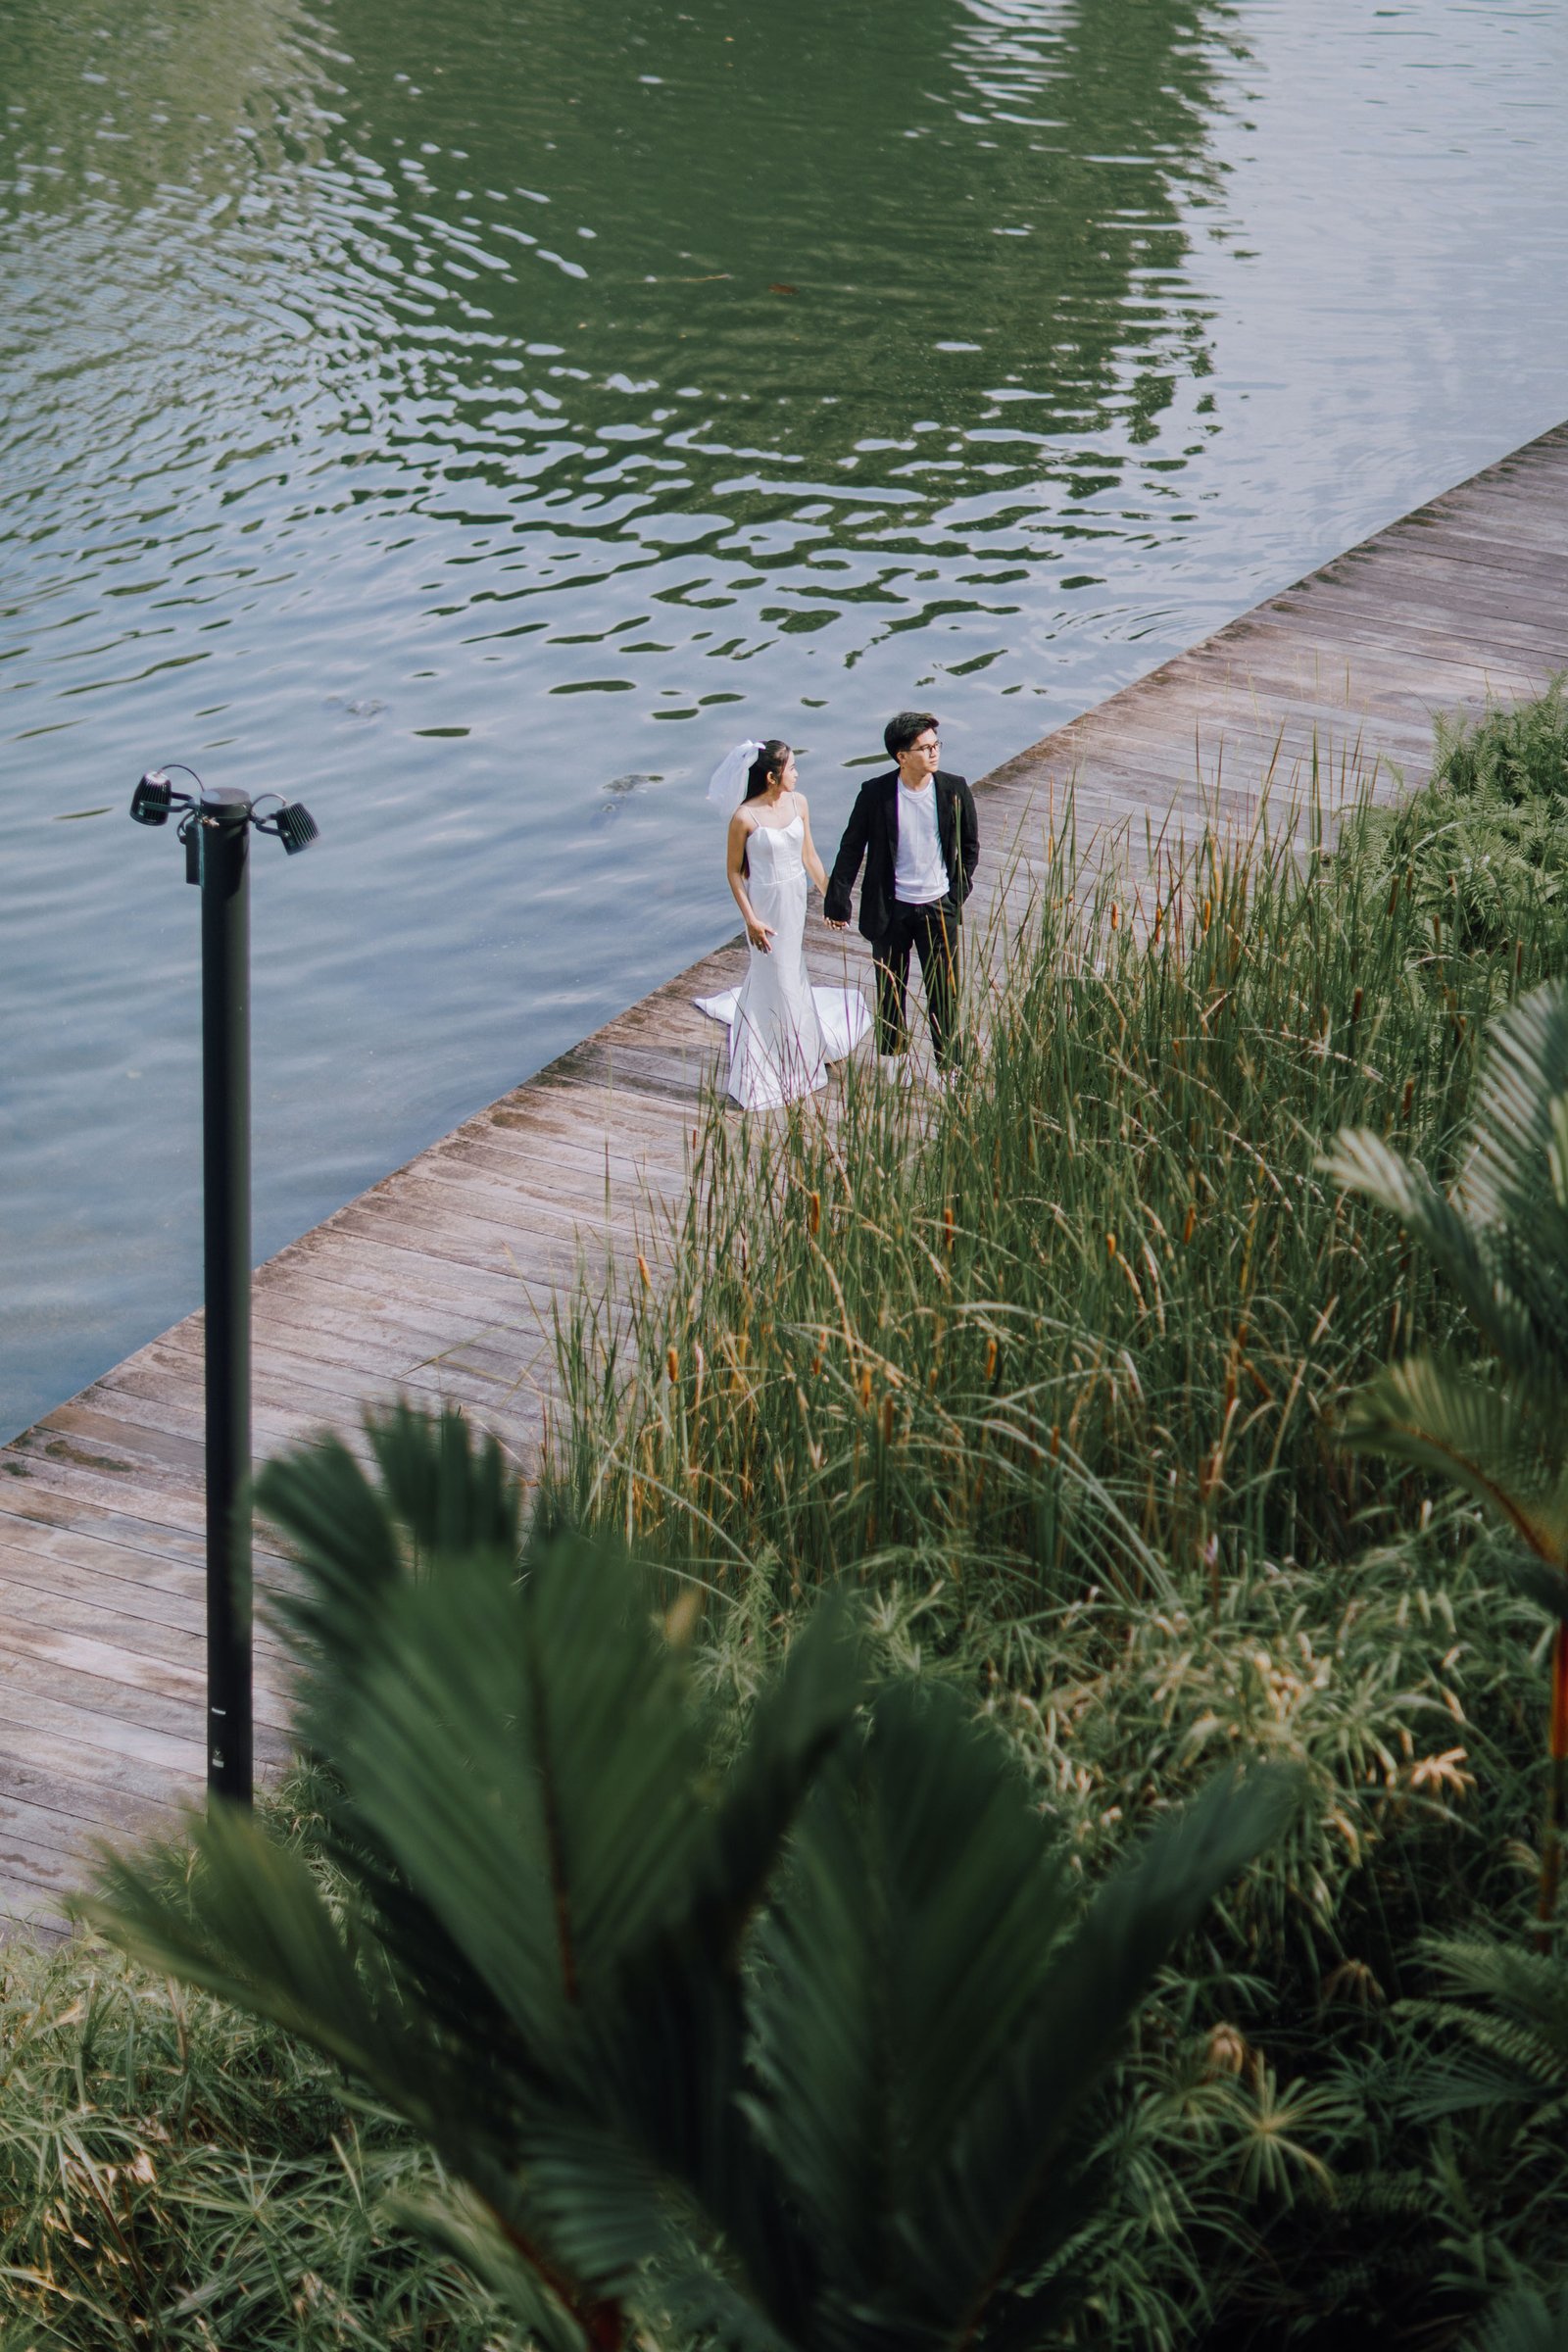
<point>439,1280</point>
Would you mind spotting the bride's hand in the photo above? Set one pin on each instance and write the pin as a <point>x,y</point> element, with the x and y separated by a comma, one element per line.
<point>760,936</point>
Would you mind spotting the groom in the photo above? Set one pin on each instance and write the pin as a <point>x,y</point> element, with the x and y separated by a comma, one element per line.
<point>915,826</point>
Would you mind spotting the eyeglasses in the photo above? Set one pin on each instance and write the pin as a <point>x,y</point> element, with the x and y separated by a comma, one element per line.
<point>934,748</point>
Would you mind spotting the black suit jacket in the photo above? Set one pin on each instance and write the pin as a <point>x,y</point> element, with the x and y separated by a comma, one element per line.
<point>873,834</point>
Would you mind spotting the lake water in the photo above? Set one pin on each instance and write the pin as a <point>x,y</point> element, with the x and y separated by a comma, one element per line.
<point>472,419</point>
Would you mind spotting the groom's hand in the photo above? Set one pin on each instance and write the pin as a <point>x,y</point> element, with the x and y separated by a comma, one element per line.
<point>834,923</point>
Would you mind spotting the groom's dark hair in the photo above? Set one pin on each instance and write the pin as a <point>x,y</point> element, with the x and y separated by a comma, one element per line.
<point>903,728</point>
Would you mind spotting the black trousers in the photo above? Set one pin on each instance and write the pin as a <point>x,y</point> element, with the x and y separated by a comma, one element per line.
<point>933,934</point>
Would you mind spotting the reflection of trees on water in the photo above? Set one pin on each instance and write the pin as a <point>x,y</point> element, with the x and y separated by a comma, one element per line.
<point>1007,177</point>
<point>147,213</point>
<point>592,276</point>
<point>113,105</point>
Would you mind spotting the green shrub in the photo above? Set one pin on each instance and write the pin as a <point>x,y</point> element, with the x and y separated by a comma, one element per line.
<point>1485,841</point>
<point>173,2175</point>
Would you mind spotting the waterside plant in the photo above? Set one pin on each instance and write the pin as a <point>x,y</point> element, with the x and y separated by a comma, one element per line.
<point>178,2176</point>
<point>1499,1429</point>
<point>1091,1321</point>
<point>1487,833</point>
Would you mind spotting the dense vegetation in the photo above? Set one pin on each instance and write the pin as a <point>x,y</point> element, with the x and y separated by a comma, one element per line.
<point>791,2049</point>
<point>1053,1375</point>
<point>1056,1371</point>
<point>173,2175</point>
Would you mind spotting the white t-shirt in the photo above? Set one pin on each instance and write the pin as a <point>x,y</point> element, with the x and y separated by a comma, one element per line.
<point>918,874</point>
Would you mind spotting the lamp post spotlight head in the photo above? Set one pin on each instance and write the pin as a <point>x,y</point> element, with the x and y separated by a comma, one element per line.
<point>150,801</point>
<point>297,828</point>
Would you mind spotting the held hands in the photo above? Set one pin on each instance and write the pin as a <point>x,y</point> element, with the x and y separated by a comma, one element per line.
<point>834,925</point>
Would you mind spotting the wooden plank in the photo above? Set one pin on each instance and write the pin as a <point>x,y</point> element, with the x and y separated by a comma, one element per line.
<point>108,1789</point>
<point>26,1861</point>
<point>145,1759</point>
<point>47,1516</point>
<point>71,1600</point>
<point>32,1911</point>
<point>159,1693</point>
<point>55,1810</point>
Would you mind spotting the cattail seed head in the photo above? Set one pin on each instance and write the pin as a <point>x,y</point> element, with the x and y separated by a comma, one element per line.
<point>1559,1731</point>
<point>672,1364</point>
<point>1227,2052</point>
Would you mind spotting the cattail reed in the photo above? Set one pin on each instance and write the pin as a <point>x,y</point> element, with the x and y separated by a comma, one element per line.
<point>1125,1107</point>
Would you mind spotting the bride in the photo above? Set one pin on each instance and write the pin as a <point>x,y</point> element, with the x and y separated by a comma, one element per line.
<point>782,1031</point>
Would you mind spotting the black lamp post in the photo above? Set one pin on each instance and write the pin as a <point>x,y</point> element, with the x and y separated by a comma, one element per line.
<point>216,829</point>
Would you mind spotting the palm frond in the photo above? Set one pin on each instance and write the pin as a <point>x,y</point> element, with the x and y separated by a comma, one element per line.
<point>1525,2322</point>
<point>442,1491</point>
<point>801,2053</point>
<point>464,2227</point>
<point>247,1921</point>
<point>1466,1425</point>
<point>523,1747</point>
<point>1360,1161</point>
<point>995,2211</point>
<point>1514,1181</point>
<point>1502,1237</point>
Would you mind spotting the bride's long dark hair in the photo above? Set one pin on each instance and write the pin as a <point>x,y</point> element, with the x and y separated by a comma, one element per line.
<point>768,763</point>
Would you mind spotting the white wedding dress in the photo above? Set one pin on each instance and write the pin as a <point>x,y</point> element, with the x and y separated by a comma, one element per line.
<point>782,1031</point>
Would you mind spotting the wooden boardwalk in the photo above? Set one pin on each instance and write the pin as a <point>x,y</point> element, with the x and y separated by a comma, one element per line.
<point>439,1282</point>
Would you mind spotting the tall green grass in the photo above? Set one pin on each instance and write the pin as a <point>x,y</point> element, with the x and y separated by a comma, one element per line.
<point>175,2178</point>
<point>1088,1321</point>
